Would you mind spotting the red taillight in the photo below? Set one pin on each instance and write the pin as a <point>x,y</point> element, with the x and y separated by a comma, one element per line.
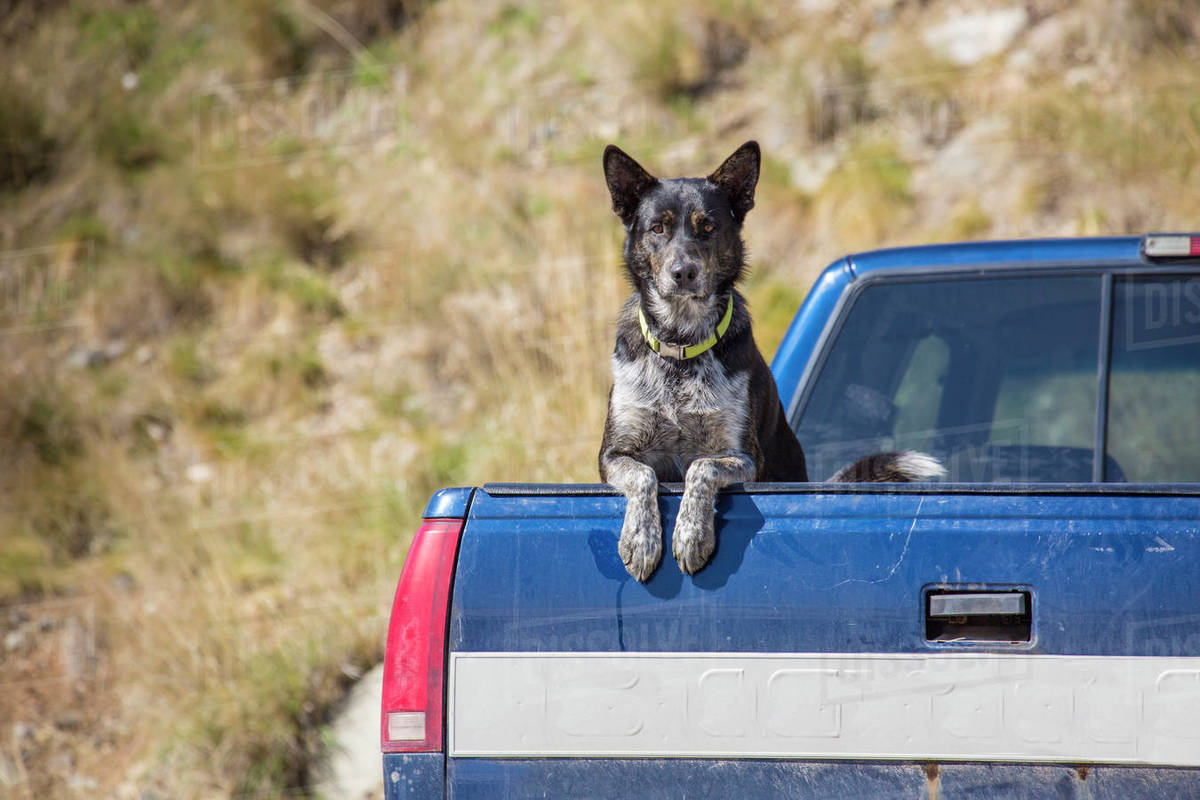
<point>414,664</point>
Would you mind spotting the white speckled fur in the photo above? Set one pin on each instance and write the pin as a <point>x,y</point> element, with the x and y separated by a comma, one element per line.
<point>694,318</point>
<point>695,535</point>
<point>693,425</point>
<point>640,545</point>
<point>704,413</point>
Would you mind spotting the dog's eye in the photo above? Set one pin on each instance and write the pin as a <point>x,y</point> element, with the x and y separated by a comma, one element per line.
<point>657,228</point>
<point>709,227</point>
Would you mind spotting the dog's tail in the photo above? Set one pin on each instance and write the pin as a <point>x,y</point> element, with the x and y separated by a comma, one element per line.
<point>902,467</point>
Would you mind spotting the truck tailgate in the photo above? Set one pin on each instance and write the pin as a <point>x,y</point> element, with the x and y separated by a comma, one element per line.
<point>807,660</point>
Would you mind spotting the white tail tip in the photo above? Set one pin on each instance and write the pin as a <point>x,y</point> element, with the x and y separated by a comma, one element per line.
<point>919,466</point>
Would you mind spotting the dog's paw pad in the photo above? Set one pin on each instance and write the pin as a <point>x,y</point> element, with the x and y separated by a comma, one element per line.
<point>693,542</point>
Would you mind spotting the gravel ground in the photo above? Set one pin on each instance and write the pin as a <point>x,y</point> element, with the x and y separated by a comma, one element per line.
<point>354,770</point>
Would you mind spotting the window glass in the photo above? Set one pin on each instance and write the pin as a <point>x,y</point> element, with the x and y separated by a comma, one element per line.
<point>919,394</point>
<point>1154,381</point>
<point>996,377</point>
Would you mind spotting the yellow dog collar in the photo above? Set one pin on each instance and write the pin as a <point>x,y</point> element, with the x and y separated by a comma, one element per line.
<point>680,352</point>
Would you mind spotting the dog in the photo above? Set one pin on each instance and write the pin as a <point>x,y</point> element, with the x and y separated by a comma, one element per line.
<point>692,399</point>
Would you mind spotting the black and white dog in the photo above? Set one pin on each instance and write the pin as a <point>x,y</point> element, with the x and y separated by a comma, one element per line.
<point>692,398</point>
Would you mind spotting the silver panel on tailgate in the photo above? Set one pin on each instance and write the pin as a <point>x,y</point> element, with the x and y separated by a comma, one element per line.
<point>945,706</point>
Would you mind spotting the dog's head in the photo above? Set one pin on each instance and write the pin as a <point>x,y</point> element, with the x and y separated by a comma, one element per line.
<point>683,245</point>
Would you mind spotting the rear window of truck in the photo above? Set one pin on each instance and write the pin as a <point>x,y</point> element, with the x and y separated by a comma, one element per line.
<point>1016,379</point>
<point>1154,379</point>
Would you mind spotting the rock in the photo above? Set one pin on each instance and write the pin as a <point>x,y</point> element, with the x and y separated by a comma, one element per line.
<point>62,763</point>
<point>350,770</point>
<point>1022,61</point>
<point>113,350</point>
<point>10,773</point>
<point>78,648</point>
<point>969,38</point>
<point>81,357</point>
<point>157,431</point>
<point>981,154</point>
<point>82,783</point>
<point>199,473</point>
<point>808,171</point>
<point>1083,75</point>
<point>1062,38</point>
<point>14,640</point>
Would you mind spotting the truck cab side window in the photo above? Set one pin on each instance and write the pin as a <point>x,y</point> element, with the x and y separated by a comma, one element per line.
<point>994,376</point>
<point>1154,379</point>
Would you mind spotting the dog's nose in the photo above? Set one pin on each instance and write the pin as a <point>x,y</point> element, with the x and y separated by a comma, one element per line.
<point>684,275</point>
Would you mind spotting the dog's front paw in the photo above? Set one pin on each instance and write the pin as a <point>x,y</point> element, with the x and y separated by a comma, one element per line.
<point>695,537</point>
<point>641,540</point>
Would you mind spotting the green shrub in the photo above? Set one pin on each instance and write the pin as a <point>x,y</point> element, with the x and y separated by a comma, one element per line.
<point>308,221</point>
<point>683,58</point>
<point>969,221</point>
<point>186,362</point>
<point>867,196</point>
<point>50,426</point>
<point>71,515</point>
<point>837,90</point>
<point>773,304</point>
<point>27,152</point>
<point>132,30</point>
<point>130,140</point>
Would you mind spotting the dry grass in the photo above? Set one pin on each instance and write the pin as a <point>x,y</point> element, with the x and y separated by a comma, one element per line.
<point>256,322</point>
<point>867,195</point>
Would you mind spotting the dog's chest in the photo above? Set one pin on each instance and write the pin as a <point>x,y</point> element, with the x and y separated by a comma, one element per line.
<point>693,411</point>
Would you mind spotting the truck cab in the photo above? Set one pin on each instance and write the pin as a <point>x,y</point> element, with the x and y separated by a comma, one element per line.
<point>1011,361</point>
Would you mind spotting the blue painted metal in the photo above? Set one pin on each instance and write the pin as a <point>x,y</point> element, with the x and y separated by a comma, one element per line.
<point>414,776</point>
<point>449,503</point>
<point>800,342</point>
<point>1001,255</point>
<point>822,572</point>
<point>662,779</point>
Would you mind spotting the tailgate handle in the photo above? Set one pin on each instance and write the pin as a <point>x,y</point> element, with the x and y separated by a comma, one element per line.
<point>978,604</point>
<point>969,616</point>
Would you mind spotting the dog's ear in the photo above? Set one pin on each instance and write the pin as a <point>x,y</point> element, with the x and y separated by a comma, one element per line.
<point>627,182</point>
<point>738,176</point>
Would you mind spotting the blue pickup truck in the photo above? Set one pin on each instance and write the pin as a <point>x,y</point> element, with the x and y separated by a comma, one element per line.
<point>1028,627</point>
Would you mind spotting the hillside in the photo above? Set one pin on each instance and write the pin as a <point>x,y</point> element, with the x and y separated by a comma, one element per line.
<point>272,272</point>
